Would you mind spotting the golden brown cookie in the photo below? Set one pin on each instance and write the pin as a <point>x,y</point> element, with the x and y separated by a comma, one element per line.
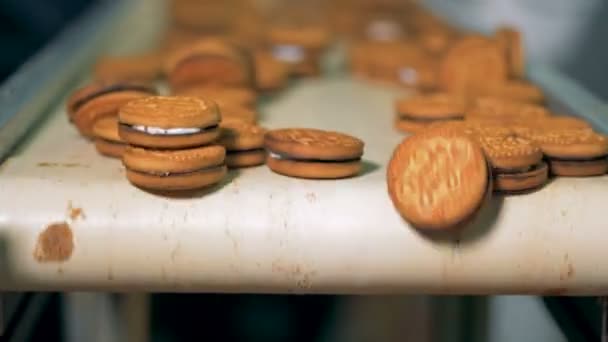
<point>516,182</point>
<point>438,179</point>
<point>222,96</point>
<point>107,141</point>
<point>169,122</point>
<point>470,61</point>
<point>573,152</point>
<point>145,67</point>
<point>512,44</point>
<point>99,99</point>
<point>515,90</point>
<point>415,113</point>
<point>211,62</point>
<point>238,113</point>
<point>298,46</point>
<point>244,144</point>
<point>174,169</point>
<point>492,108</point>
<point>313,153</point>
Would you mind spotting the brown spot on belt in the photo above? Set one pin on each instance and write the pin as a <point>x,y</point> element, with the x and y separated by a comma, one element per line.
<point>55,243</point>
<point>75,212</point>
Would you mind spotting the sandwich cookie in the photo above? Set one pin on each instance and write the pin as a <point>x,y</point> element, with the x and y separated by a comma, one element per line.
<point>493,108</point>
<point>573,152</point>
<point>107,141</point>
<point>516,162</point>
<point>185,169</point>
<point>299,47</point>
<point>222,96</point>
<point>169,122</point>
<point>313,153</point>
<point>415,113</point>
<point>244,144</point>
<point>209,62</point>
<point>99,99</point>
<point>510,40</point>
<point>438,179</point>
<point>471,61</point>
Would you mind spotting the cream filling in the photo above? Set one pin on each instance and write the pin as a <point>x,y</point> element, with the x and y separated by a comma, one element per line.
<point>383,30</point>
<point>166,131</point>
<point>289,53</point>
<point>408,76</point>
<point>275,155</point>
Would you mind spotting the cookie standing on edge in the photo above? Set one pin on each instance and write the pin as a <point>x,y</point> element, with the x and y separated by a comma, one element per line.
<point>438,179</point>
<point>100,99</point>
<point>107,141</point>
<point>175,169</point>
<point>511,41</point>
<point>313,153</point>
<point>169,122</point>
<point>209,62</point>
<point>300,47</point>
<point>516,162</point>
<point>244,144</point>
<point>416,113</point>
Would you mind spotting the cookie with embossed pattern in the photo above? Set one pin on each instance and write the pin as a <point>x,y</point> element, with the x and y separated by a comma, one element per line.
<point>516,162</point>
<point>185,169</point>
<point>438,179</point>
<point>573,152</point>
<point>313,153</point>
<point>169,122</point>
<point>244,144</point>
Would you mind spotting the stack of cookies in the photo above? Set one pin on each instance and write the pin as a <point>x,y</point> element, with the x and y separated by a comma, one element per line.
<point>171,143</point>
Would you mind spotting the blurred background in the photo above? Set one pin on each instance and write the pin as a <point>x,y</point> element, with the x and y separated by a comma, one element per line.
<point>565,34</point>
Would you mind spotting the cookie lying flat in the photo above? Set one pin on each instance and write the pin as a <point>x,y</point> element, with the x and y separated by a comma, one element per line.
<point>145,67</point>
<point>107,141</point>
<point>438,179</point>
<point>417,112</point>
<point>313,153</point>
<point>169,122</point>
<point>573,152</point>
<point>99,99</point>
<point>494,108</point>
<point>175,169</point>
<point>516,162</point>
<point>209,62</point>
<point>244,144</point>
<point>515,90</point>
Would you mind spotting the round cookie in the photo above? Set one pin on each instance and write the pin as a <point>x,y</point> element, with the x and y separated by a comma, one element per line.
<point>222,96</point>
<point>232,113</point>
<point>99,99</point>
<point>415,113</point>
<point>438,179</point>
<point>511,42</point>
<point>517,182</point>
<point>185,169</point>
<point>471,61</point>
<point>209,62</point>
<point>573,152</point>
<point>500,109</point>
<point>313,153</point>
<point>299,47</point>
<point>169,122</point>
<point>509,152</point>
<point>244,144</point>
<point>107,141</point>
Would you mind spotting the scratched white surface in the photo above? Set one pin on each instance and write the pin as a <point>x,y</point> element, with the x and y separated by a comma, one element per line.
<point>261,232</point>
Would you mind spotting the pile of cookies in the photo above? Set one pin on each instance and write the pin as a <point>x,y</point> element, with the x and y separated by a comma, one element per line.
<point>216,60</point>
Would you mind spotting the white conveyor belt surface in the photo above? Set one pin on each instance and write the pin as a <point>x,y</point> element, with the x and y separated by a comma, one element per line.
<point>262,232</point>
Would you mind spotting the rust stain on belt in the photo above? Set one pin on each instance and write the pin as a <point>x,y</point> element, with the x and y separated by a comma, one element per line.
<point>55,243</point>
